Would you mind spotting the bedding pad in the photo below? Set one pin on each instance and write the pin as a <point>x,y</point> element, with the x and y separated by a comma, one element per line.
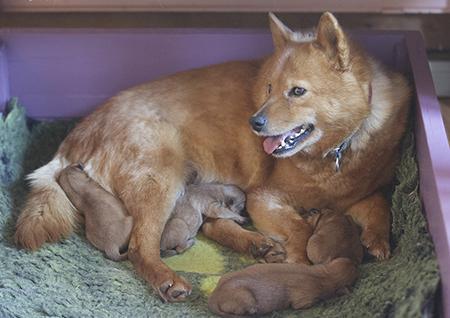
<point>73,279</point>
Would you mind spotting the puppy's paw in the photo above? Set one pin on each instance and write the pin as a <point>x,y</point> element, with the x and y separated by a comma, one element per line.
<point>174,289</point>
<point>376,244</point>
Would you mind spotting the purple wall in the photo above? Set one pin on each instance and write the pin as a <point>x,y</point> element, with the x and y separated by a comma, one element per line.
<point>65,73</point>
<point>433,154</point>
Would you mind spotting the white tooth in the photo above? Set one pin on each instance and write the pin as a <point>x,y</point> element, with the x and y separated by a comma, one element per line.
<point>302,131</point>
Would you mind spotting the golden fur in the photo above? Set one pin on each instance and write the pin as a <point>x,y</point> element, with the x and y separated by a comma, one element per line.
<point>142,144</point>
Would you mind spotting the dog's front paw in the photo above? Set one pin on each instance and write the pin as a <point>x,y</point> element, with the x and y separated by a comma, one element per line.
<point>174,289</point>
<point>268,251</point>
<point>277,254</point>
<point>376,244</point>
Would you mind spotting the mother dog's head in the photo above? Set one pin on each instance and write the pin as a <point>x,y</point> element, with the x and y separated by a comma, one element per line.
<point>313,92</point>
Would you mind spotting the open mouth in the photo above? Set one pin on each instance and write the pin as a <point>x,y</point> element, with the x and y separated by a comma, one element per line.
<point>285,142</point>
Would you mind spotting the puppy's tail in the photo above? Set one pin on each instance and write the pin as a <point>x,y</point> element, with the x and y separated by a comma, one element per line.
<point>47,215</point>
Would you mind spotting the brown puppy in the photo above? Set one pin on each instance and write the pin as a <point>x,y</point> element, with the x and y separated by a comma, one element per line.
<point>335,235</point>
<point>211,200</point>
<point>334,249</point>
<point>108,226</point>
<point>262,288</point>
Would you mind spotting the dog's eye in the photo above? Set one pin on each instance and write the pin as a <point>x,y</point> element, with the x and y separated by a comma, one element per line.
<point>297,91</point>
<point>269,88</point>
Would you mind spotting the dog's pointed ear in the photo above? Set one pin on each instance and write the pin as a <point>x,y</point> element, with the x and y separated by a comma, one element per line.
<point>333,41</point>
<point>281,34</point>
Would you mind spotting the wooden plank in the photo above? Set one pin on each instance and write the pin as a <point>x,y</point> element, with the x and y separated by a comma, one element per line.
<point>421,6</point>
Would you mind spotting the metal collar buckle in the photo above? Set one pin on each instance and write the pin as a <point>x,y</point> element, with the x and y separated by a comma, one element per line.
<point>337,154</point>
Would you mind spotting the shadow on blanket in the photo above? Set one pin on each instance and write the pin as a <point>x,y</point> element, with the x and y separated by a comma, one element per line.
<point>72,279</point>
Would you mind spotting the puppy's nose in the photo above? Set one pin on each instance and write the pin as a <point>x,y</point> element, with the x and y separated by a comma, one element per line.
<point>258,122</point>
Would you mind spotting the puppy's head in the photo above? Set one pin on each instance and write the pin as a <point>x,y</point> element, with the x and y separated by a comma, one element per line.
<point>234,198</point>
<point>312,92</point>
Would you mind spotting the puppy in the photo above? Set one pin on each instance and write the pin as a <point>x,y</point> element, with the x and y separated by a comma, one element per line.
<point>335,250</point>
<point>108,225</point>
<point>211,200</point>
<point>334,235</point>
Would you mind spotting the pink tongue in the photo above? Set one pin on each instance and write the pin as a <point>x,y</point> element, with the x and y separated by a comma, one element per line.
<point>272,143</point>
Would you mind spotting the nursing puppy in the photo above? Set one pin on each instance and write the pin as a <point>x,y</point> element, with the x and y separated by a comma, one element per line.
<point>326,120</point>
<point>334,235</point>
<point>212,200</point>
<point>108,225</point>
<point>335,250</point>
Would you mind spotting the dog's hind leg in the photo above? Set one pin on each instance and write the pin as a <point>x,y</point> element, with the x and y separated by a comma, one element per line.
<point>47,215</point>
<point>149,185</point>
<point>150,202</point>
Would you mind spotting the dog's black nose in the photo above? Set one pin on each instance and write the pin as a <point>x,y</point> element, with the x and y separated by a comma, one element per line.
<point>258,122</point>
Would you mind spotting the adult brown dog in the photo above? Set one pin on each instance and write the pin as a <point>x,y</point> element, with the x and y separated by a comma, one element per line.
<point>317,103</point>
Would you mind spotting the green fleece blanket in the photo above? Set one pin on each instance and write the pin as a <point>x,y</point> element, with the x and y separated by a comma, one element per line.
<point>72,279</point>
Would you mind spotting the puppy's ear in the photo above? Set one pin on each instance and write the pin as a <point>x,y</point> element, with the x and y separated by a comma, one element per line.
<point>281,34</point>
<point>333,41</point>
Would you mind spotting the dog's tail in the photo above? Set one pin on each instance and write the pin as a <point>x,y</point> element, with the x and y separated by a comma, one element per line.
<point>47,215</point>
